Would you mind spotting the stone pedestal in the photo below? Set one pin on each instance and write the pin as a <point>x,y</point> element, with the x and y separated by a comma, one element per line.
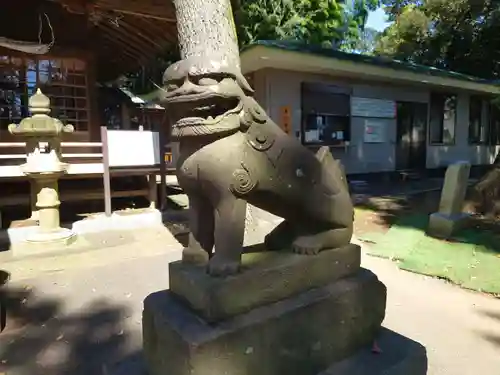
<point>267,277</point>
<point>47,203</point>
<point>284,314</point>
<point>400,356</point>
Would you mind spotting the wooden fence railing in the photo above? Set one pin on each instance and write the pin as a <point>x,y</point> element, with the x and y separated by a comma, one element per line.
<point>120,153</point>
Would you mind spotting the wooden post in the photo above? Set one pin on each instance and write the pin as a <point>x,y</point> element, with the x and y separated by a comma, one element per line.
<point>106,176</point>
<point>163,167</point>
<point>153,191</point>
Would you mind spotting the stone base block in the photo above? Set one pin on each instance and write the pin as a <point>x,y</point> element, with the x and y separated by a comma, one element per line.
<point>265,277</point>
<point>444,226</point>
<point>37,242</point>
<point>60,236</point>
<point>300,335</point>
<point>399,356</point>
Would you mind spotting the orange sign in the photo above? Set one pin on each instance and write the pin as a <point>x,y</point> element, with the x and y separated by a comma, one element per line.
<point>286,119</point>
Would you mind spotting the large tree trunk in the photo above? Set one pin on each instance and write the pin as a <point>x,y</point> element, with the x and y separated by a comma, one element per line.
<point>206,28</point>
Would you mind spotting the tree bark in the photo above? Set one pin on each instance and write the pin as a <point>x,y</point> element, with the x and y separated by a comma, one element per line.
<point>206,28</point>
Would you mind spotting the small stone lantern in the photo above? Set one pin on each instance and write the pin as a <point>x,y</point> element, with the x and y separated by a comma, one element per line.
<point>44,167</point>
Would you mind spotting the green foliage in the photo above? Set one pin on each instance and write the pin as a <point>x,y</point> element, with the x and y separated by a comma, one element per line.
<point>459,35</point>
<point>365,43</point>
<point>355,35</point>
<point>146,79</point>
<point>330,23</point>
<point>321,22</point>
<point>393,8</point>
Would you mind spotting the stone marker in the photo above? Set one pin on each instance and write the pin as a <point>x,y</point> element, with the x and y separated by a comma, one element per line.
<point>450,218</point>
<point>298,303</point>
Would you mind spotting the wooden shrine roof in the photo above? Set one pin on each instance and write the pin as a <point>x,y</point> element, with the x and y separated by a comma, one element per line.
<point>123,34</point>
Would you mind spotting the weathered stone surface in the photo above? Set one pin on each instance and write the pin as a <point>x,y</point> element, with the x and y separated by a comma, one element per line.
<point>266,277</point>
<point>4,278</point>
<point>444,226</point>
<point>454,188</point>
<point>301,335</point>
<point>450,217</point>
<point>400,356</point>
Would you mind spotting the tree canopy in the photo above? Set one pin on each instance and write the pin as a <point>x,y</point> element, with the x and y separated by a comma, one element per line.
<point>459,35</point>
<point>365,43</point>
<point>332,23</point>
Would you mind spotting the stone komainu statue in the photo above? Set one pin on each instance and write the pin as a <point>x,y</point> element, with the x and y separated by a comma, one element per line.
<point>231,153</point>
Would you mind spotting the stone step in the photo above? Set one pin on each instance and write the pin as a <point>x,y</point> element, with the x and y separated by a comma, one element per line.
<point>398,355</point>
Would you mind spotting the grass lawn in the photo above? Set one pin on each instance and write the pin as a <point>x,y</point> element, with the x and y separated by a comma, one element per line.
<point>471,259</point>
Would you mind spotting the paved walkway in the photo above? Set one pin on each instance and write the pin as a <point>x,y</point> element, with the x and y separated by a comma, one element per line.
<point>460,329</point>
<point>95,315</point>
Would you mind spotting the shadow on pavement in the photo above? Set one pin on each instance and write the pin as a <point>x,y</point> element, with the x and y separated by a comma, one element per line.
<point>40,338</point>
<point>492,338</point>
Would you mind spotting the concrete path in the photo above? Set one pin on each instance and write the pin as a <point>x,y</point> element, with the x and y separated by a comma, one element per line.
<point>460,329</point>
<point>81,313</point>
<point>86,319</point>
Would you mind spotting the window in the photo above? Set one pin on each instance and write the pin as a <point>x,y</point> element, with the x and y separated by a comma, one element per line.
<point>63,80</point>
<point>494,123</point>
<point>478,121</point>
<point>442,119</point>
<point>325,114</point>
<point>325,129</point>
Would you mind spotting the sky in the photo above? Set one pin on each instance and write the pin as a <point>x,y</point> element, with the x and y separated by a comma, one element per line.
<point>377,20</point>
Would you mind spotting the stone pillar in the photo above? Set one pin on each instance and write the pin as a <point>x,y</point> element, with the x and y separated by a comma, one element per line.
<point>48,205</point>
<point>152,191</point>
<point>450,218</point>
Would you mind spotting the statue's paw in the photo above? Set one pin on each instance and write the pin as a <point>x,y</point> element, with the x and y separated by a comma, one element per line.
<point>221,267</point>
<point>306,245</point>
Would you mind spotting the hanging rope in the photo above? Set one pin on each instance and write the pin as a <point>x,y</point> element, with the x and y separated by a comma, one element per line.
<point>31,47</point>
<point>40,30</point>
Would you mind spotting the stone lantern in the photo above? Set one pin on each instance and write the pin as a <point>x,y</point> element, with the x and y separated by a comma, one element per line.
<point>44,167</point>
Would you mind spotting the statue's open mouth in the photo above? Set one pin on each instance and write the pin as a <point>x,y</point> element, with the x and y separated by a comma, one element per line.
<point>202,109</point>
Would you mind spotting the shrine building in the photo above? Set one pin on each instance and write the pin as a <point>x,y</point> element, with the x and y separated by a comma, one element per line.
<point>375,114</point>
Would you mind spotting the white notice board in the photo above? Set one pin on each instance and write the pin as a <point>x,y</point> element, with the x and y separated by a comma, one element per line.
<point>367,107</point>
<point>375,131</point>
<point>131,148</point>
